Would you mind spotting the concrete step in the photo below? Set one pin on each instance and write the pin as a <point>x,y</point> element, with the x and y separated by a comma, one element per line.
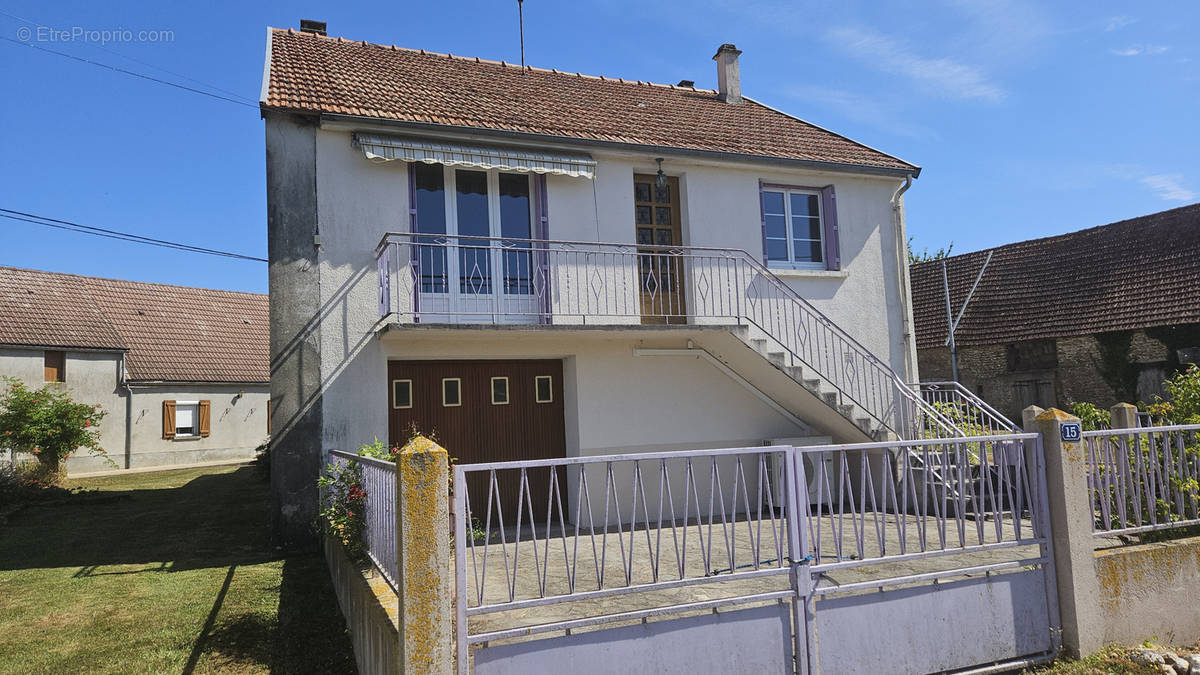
<point>777,358</point>
<point>846,409</point>
<point>830,397</point>
<point>812,385</point>
<point>795,372</point>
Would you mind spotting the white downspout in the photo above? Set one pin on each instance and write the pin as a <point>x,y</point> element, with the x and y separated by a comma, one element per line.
<point>905,286</point>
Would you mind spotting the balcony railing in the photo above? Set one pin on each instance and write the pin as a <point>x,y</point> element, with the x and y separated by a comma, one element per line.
<point>481,280</point>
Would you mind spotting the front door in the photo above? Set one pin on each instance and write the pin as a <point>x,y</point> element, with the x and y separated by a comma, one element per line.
<point>660,271</point>
<point>484,411</point>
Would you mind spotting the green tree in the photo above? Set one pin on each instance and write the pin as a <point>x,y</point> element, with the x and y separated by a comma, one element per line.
<point>925,255</point>
<point>47,424</point>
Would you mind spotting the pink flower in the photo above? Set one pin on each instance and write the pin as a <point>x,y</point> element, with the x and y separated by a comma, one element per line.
<point>87,423</point>
<point>36,451</point>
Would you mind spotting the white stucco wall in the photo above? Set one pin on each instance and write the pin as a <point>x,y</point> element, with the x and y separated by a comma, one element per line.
<point>359,201</point>
<point>237,425</point>
<point>91,377</point>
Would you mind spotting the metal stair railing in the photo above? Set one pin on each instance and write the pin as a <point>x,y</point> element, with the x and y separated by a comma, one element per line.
<point>965,407</point>
<point>455,279</point>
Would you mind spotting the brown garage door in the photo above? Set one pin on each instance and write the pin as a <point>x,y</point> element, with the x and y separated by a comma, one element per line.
<point>504,410</point>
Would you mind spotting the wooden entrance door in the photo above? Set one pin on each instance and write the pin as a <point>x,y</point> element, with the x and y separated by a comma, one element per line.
<point>660,272</point>
<point>484,411</point>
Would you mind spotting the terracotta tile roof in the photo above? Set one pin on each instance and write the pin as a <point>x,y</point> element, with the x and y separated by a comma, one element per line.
<point>1132,274</point>
<point>172,333</point>
<point>309,73</point>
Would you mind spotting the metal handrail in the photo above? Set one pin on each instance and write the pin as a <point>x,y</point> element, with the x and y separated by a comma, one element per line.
<point>974,406</point>
<point>832,354</point>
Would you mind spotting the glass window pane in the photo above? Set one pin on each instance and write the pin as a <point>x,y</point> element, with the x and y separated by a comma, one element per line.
<point>664,238</point>
<point>645,235</point>
<point>804,204</point>
<point>451,392</point>
<point>662,215</point>
<point>641,192</point>
<point>643,215</point>
<point>514,206</point>
<point>807,250</point>
<point>543,389</point>
<point>806,228</point>
<point>776,227</point>
<point>430,197</point>
<point>475,264</point>
<point>401,393</point>
<point>499,390</point>
<point>471,187</point>
<point>662,193</point>
<point>773,203</point>
<point>777,249</point>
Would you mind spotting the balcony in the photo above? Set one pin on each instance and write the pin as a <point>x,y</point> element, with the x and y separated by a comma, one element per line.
<point>446,279</point>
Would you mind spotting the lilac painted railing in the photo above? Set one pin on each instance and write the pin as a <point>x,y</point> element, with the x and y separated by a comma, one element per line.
<point>480,280</point>
<point>379,535</point>
<point>965,408</point>
<point>1143,479</point>
<point>676,530</point>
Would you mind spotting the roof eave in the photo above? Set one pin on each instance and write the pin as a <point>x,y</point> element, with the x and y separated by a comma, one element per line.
<point>841,167</point>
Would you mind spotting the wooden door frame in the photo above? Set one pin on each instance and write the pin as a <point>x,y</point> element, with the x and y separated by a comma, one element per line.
<point>678,299</point>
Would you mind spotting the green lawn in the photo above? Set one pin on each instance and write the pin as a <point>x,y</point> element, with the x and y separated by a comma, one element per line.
<point>178,575</point>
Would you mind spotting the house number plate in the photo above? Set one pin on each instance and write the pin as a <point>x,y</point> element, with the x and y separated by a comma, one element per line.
<point>1071,432</point>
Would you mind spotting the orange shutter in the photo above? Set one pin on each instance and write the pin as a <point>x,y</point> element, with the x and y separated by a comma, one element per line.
<point>168,419</point>
<point>204,408</point>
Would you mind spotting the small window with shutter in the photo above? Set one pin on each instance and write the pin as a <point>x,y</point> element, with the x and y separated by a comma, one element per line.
<point>186,419</point>
<point>55,366</point>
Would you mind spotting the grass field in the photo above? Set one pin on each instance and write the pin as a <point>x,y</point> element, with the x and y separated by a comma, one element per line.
<point>175,574</point>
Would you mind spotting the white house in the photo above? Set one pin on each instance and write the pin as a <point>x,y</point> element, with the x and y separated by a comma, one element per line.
<point>182,372</point>
<point>532,263</point>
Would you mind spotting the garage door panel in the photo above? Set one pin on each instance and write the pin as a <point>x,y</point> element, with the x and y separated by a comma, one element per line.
<point>479,430</point>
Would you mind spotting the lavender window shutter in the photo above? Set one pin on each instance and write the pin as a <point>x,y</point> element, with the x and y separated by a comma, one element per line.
<point>762,219</point>
<point>833,255</point>
<point>542,233</point>
<point>413,251</point>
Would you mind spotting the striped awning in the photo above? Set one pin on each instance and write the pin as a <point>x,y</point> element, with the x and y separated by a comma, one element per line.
<point>389,148</point>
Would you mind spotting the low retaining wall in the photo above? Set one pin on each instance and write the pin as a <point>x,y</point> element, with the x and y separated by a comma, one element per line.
<point>371,610</point>
<point>1150,591</point>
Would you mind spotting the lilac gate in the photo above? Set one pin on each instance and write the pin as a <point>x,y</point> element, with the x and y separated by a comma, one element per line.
<point>883,557</point>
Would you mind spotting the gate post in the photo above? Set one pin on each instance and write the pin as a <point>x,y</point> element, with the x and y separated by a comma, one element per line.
<point>1123,416</point>
<point>423,556</point>
<point>1071,531</point>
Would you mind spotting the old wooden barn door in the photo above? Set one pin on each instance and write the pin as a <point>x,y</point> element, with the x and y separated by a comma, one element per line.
<point>484,411</point>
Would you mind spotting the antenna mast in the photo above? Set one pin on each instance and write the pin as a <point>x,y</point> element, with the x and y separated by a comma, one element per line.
<point>521,20</point>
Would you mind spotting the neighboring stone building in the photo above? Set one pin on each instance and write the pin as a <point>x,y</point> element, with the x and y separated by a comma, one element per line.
<point>1100,315</point>
<point>183,372</point>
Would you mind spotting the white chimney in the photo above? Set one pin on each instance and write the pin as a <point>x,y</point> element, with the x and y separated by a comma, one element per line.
<point>729,80</point>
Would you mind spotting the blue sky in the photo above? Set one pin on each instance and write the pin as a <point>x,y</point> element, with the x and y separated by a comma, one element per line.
<point>1029,118</point>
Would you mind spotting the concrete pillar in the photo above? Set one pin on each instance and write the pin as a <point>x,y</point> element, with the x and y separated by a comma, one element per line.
<point>423,557</point>
<point>1071,529</point>
<point>1124,416</point>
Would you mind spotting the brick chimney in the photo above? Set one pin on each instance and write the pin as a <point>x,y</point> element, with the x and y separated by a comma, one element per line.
<point>729,80</point>
<point>310,26</point>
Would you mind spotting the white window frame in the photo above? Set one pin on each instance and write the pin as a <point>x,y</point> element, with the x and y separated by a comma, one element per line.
<point>460,392</point>
<point>791,262</point>
<point>536,396</point>
<point>195,406</point>
<point>410,395</point>
<point>507,391</point>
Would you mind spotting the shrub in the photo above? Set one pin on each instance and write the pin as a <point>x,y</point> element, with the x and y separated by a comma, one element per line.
<point>262,460</point>
<point>1090,417</point>
<point>343,505</point>
<point>47,424</point>
<point>1183,398</point>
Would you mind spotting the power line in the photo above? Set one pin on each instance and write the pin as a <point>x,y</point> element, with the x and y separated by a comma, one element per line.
<point>130,58</point>
<point>129,72</point>
<point>118,235</point>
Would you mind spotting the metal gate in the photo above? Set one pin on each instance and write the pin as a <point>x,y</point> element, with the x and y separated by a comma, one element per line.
<point>916,557</point>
